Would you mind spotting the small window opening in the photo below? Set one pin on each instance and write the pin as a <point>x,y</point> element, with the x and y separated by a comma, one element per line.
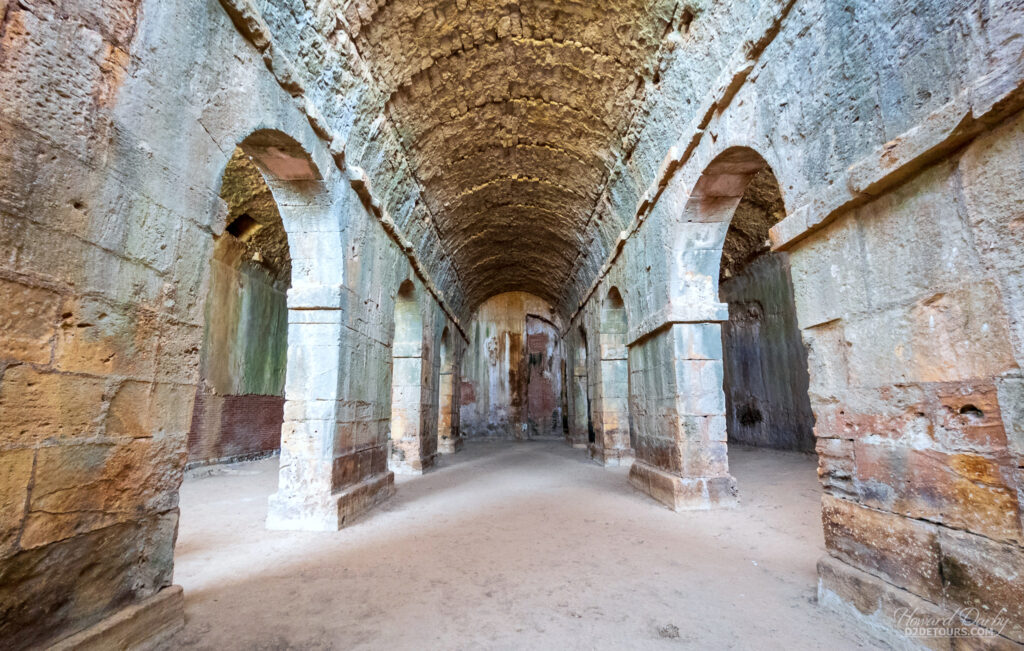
<point>244,227</point>
<point>685,20</point>
<point>971,411</point>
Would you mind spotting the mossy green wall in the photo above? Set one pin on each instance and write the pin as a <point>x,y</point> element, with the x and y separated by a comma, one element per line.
<point>246,337</point>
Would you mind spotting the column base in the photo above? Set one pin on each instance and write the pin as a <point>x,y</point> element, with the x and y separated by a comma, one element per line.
<point>579,446</point>
<point>610,458</point>
<point>450,445</point>
<point>895,615</point>
<point>404,468</point>
<point>149,624</point>
<point>333,512</point>
<point>684,493</point>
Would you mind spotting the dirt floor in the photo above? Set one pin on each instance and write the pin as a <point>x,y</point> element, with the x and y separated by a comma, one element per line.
<point>512,546</point>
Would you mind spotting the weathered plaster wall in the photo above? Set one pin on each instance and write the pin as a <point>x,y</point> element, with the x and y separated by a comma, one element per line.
<point>240,399</point>
<point>496,367</point>
<point>765,371</point>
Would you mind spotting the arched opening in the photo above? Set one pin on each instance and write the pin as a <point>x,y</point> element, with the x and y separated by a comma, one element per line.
<point>765,362</point>
<point>408,454</point>
<point>239,405</point>
<point>746,376</point>
<point>612,444</point>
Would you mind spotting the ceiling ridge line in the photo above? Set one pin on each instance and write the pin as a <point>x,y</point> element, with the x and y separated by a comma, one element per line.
<point>497,102</point>
<point>563,150</point>
<point>514,178</point>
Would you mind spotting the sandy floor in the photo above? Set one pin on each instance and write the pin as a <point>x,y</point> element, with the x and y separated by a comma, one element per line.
<point>512,546</point>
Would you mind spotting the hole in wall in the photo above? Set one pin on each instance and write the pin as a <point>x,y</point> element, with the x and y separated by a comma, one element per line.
<point>971,412</point>
<point>685,20</point>
<point>244,227</point>
<point>749,415</point>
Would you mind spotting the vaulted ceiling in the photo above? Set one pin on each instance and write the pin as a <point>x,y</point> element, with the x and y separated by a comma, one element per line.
<point>512,115</point>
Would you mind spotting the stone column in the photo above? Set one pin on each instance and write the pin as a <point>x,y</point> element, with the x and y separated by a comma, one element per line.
<point>579,424</point>
<point>333,466</point>
<point>678,408</point>
<point>407,407</point>
<point>612,447</point>
<point>448,439</point>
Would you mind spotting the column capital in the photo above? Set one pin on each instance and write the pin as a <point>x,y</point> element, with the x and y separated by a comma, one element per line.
<point>317,297</point>
<point>673,313</point>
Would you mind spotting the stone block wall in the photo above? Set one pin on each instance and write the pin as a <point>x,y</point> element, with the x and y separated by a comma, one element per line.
<point>899,169</point>
<point>910,343</point>
<point>100,322</point>
<point>611,398</point>
<point>678,409</point>
<point>116,123</point>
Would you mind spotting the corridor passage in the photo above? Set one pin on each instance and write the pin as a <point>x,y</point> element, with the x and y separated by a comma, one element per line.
<point>512,546</point>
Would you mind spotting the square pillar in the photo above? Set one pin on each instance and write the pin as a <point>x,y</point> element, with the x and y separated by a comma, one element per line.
<point>410,425</point>
<point>333,461</point>
<point>448,439</point>
<point>678,408</point>
<point>612,444</point>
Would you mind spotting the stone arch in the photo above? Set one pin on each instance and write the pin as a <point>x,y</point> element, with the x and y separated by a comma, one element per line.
<point>445,352</point>
<point>408,337</point>
<point>239,406</point>
<point>765,374</point>
<point>305,193</point>
<point>736,193</point>
<point>736,201</point>
<point>326,476</point>
<point>706,219</point>
<point>612,422</point>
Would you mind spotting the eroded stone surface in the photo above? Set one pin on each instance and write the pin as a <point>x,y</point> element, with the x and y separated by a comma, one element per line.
<point>474,148</point>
